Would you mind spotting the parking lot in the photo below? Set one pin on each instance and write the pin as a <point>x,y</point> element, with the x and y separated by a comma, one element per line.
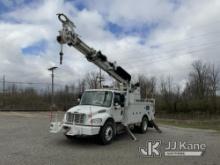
<point>25,139</point>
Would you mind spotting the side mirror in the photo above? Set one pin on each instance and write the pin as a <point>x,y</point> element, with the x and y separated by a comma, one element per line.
<point>116,105</point>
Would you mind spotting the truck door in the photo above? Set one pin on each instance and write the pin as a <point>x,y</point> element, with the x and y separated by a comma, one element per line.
<point>118,107</point>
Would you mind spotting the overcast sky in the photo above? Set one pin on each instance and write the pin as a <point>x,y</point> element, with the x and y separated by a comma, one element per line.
<point>151,37</point>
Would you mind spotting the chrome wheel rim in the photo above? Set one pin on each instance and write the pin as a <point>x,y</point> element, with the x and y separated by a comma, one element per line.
<point>108,133</point>
<point>145,125</point>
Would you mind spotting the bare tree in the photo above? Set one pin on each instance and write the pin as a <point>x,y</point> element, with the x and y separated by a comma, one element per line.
<point>92,80</point>
<point>170,94</point>
<point>81,86</point>
<point>199,84</point>
<point>214,80</point>
<point>213,83</point>
<point>165,92</point>
<point>148,86</point>
<point>203,81</point>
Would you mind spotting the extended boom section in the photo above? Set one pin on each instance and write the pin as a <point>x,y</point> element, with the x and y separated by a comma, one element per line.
<point>68,36</point>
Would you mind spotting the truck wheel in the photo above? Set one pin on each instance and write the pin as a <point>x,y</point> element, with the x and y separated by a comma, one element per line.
<point>144,125</point>
<point>107,133</point>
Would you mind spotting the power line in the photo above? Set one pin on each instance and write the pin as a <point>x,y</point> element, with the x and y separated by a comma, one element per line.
<point>188,38</point>
<point>174,50</point>
<point>28,83</point>
<point>152,60</point>
<point>161,55</point>
<point>168,56</point>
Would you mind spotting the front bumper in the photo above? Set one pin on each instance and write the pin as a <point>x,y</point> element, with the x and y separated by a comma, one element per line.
<point>73,130</point>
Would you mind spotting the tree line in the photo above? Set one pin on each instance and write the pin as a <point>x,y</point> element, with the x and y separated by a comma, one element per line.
<point>198,94</point>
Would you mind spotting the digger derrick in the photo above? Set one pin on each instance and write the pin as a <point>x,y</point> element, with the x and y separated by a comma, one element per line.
<point>118,111</point>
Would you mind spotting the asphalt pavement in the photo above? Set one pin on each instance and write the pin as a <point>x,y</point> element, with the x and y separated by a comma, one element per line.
<point>25,140</point>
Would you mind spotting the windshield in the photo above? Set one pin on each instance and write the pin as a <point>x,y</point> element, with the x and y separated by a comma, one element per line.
<point>97,98</point>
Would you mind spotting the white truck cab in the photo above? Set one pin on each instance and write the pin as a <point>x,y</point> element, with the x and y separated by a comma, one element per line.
<point>105,112</point>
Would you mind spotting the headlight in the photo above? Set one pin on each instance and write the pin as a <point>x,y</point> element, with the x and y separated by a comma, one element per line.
<point>96,121</point>
<point>64,118</point>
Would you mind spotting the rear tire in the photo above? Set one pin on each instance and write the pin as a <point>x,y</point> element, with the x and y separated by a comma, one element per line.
<point>144,125</point>
<point>107,133</point>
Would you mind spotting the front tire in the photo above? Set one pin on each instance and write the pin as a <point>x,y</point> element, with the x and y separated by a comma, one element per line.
<point>107,133</point>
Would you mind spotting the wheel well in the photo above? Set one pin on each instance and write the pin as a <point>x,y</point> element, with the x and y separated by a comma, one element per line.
<point>113,121</point>
<point>110,119</point>
<point>149,122</point>
<point>145,116</point>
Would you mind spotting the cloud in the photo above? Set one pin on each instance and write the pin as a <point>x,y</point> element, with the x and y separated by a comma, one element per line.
<point>35,48</point>
<point>156,38</point>
<point>131,12</point>
<point>7,3</point>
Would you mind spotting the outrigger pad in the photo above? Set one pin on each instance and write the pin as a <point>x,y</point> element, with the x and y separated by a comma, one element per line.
<point>155,126</point>
<point>130,133</point>
<point>55,127</point>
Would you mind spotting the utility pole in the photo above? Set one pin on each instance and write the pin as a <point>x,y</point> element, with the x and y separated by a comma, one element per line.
<point>3,84</point>
<point>100,78</point>
<point>53,106</point>
<point>52,84</point>
<point>3,90</point>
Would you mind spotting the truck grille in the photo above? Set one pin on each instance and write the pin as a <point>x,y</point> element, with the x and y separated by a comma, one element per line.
<point>75,118</point>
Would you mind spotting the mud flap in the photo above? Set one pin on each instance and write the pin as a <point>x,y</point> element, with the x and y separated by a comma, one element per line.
<point>55,127</point>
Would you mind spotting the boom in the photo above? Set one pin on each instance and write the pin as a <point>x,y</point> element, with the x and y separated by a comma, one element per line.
<point>68,36</point>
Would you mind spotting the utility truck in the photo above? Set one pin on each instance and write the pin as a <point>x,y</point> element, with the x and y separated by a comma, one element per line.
<point>103,112</point>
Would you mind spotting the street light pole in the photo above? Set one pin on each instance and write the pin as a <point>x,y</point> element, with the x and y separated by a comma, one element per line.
<point>52,83</point>
<point>3,91</point>
<point>53,107</point>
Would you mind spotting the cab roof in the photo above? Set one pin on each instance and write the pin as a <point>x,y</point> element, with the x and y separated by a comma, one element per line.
<point>103,89</point>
